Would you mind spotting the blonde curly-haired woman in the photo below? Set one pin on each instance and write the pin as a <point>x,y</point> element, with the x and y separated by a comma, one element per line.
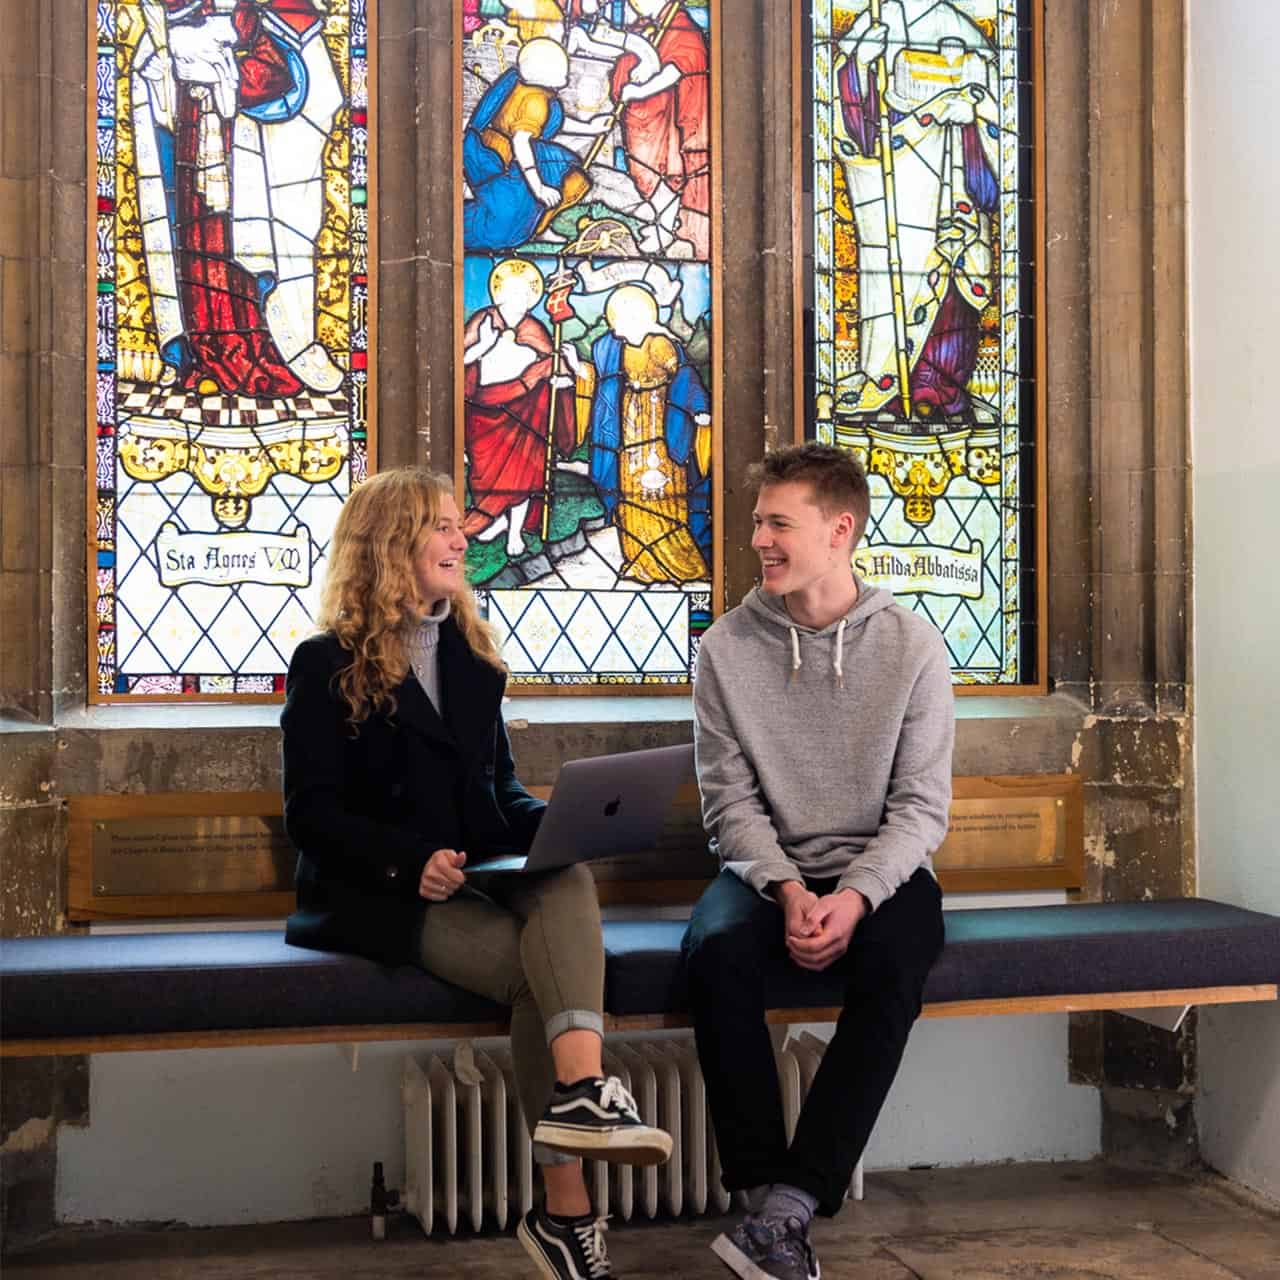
<point>396,762</point>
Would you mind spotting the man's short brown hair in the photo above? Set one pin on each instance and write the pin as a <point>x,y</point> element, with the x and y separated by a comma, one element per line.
<point>834,478</point>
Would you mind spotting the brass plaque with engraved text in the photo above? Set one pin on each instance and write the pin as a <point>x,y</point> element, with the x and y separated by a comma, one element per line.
<point>222,853</point>
<point>1004,831</point>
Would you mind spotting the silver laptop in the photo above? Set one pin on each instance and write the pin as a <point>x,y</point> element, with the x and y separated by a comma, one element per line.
<point>601,807</point>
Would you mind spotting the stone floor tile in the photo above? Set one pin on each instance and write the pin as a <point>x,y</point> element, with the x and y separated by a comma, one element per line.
<point>1251,1252</point>
<point>1009,1196</point>
<point>1005,1222</point>
<point>1122,1254</point>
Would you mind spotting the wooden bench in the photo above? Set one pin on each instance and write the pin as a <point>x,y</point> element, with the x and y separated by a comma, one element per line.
<point>109,992</point>
<point>112,992</point>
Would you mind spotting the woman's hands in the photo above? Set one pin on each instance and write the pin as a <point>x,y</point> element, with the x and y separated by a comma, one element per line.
<point>442,877</point>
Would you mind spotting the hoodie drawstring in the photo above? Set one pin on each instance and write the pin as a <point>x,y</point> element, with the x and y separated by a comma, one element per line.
<point>838,661</point>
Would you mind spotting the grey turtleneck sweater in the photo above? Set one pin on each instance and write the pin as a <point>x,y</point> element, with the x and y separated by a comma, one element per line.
<point>824,753</point>
<point>423,648</point>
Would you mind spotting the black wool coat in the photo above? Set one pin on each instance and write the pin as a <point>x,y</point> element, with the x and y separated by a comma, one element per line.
<point>366,811</point>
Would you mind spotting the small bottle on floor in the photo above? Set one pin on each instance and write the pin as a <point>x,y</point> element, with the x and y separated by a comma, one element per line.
<point>378,1203</point>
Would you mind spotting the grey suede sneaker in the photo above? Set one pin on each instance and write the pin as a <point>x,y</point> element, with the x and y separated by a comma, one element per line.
<point>762,1248</point>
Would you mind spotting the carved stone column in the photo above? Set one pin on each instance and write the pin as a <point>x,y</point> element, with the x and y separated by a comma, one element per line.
<point>26,678</point>
<point>1139,404</point>
<point>1136,748</point>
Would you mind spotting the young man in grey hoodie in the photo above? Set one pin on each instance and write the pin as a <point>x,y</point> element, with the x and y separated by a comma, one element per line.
<point>824,728</point>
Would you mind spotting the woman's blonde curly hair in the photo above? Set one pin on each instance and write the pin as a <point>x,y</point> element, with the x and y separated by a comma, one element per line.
<point>370,596</point>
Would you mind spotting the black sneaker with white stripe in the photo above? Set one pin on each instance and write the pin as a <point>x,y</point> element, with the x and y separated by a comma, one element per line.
<point>569,1250</point>
<point>598,1120</point>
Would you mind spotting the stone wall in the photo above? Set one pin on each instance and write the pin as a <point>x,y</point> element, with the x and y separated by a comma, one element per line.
<point>1115,453</point>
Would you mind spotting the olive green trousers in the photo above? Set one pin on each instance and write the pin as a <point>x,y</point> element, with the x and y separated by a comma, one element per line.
<point>532,942</point>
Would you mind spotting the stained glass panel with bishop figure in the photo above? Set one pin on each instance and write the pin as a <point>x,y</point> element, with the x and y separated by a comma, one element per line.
<point>919,316</point>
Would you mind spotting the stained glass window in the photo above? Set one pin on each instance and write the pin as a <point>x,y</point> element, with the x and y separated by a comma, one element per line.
<point>230,273</point>
<point>587,374</point>
<point>919,311</point>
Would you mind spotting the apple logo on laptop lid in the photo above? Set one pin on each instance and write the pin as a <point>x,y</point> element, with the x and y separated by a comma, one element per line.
<point>613,806</point>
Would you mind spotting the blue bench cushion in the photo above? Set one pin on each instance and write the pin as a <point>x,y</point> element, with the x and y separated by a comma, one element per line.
<point>1074,949</point>
<point>135,984</point>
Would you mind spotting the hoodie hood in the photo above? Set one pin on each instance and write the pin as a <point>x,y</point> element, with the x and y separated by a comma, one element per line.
<point>773,610</point>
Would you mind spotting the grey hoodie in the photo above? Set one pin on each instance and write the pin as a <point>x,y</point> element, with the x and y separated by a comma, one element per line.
<point>824,753</point>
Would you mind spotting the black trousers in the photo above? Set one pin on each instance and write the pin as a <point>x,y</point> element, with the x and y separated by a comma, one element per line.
<point>735,951</point>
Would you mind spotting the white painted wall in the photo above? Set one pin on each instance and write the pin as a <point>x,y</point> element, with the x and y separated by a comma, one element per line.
<point>233,1135</point>
<point>1234,187</point>
<point>269,1135</point>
